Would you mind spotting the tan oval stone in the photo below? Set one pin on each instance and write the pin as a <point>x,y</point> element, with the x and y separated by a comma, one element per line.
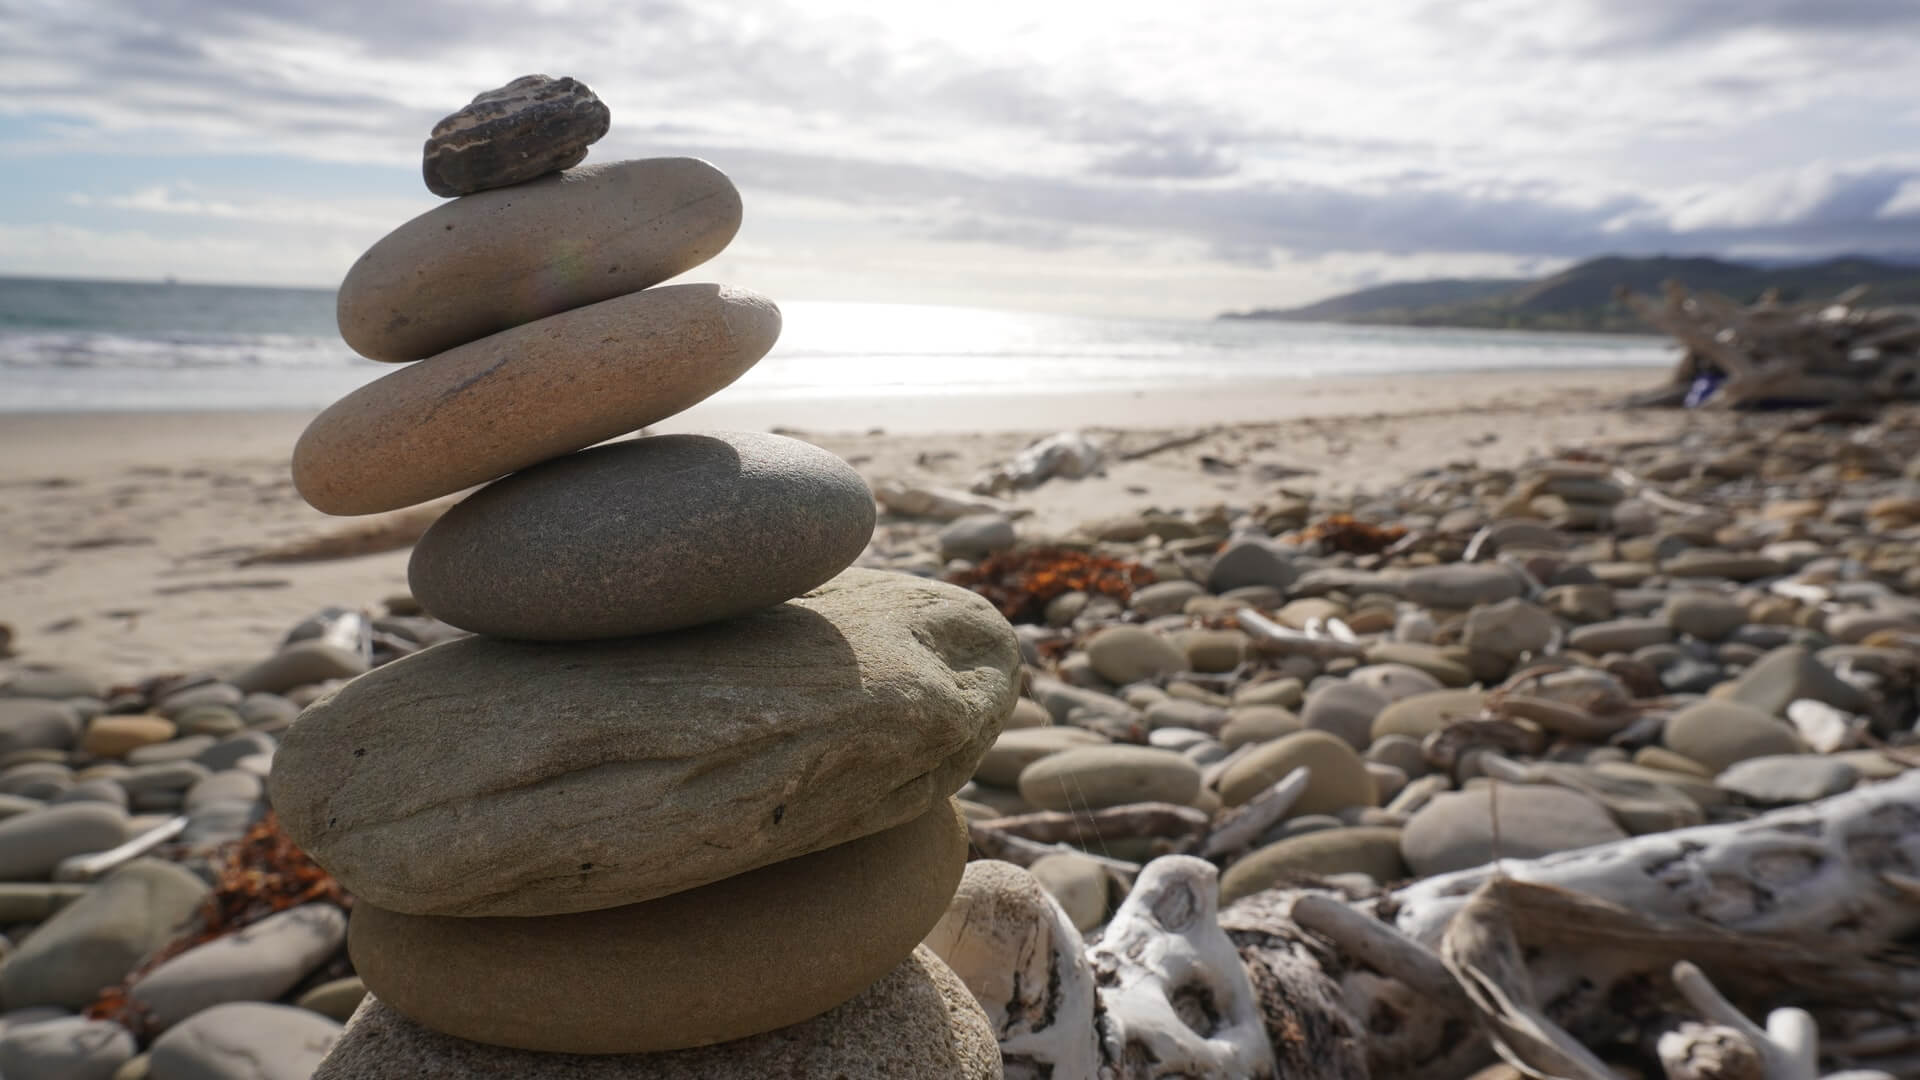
<point>711,526</point>
<point>1013,751</point>
<point>919,1021</point>
<point>500,258</point>
<point>1373,850</point>
<point>485,409</point>
<point>748,954</point>
<point>611,772</point>
<point>1091,777</point>
<point>1339,778</point>
<point>112,736</point>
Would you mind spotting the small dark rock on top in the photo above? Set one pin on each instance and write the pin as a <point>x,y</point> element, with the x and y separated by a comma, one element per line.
<point>526,129</point>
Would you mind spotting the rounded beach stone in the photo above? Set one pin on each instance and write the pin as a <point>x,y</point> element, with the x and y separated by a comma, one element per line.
<point>37,724</point>
<point>1078,883</point>
<point>32,844</point>
<point>244,1040</point>
<point>335,1000</point>
<point>1339,778</point>
<point>1372,850</point>
<point>686,757</point>
<point>71,1048</point>
<point>1093,777</point>
<point>522,131</point>
<point>1455,830</point>
<point>94,941</point>
<point>497,259</point>
<point>1257,724</point>
<point>1013,751</point>
<point>113,736</point>
<point>1345,709</point>
<point>710,526</point>
<point>1717,734</point>
<point>1423,714</point>
<point>519,397</point>
<point>919,1021</point>
<point>1028,713</point>
<point>258,963</point>
<point>1124,654</point>
<point>754,952</point>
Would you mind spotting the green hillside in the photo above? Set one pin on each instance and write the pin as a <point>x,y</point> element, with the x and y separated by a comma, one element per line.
<point>1581,297</point>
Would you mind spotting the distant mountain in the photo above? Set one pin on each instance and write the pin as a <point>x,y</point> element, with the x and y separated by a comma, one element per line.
<point>1581,297</point>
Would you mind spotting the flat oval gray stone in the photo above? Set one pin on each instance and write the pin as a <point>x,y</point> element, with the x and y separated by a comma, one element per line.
<point>245,1040</point>
<point>509,256</point>
<point>259,962</point>
<point>529,394</point>
<point>498,259</point>
<point>1455,830</point>
<point>37,724</point>
<point>71,1048</point>
<point>1092,777</point>
<point>705,527</point>
<point>94,941</point>
<point>522,131</point>
<point>613,772</point>
<point>31,845</point>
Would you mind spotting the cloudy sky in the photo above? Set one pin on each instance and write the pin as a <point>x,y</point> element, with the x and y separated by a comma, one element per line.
<point>1100,156</point>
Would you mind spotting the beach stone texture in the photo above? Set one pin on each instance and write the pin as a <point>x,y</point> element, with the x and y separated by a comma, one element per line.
<point>710,526</point>
<point>497,259</point>
<point>259,962</point>
<point>1369,849</point>
<point>70,1048</point>
<point>94,941</point>
<point>522,131</point>
<point>1718,734</point>
<point>1094,777</point>
<point>37,724</point>
<point>528,394</point>
<point>1455,830</point>
<point>617,771</point>
<point>32,844</point>
<point>1013,751</point>
<point>1338,777</point>
<point>919,1021</point>
<point>245,1040</point>
<point>754,952</point>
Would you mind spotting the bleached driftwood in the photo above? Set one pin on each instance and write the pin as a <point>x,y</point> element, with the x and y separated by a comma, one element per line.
<point>1160,995</point>
<point>1558,954</point>
<point>1181,825</point>
<point>1826,351</point>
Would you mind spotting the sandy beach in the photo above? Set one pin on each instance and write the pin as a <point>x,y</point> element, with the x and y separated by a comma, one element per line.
<point>122,535</point>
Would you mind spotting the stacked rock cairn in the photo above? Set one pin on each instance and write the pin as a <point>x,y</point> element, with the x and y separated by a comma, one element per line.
<point>684,800</point>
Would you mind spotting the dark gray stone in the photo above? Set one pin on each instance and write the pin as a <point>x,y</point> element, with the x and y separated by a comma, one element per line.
<point>37,724</point>
<point>524,130</point>
<point>642,536</point>
<point>1252,560</point>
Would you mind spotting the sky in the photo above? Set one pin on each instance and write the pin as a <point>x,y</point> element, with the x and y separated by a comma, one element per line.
<point>1085,156</point>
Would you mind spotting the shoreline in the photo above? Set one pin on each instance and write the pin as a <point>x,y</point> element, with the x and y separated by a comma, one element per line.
<point>122,533</point>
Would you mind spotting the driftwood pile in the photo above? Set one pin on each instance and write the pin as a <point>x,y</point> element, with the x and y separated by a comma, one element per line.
<point>1799,916</point>
<point>1819,352</point>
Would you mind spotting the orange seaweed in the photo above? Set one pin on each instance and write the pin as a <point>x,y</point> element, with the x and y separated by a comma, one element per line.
<point>1022,583</point>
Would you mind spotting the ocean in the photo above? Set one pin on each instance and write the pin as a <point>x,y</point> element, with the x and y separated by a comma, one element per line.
<point>128,346</point>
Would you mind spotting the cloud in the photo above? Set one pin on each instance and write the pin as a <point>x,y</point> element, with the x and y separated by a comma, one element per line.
<point>1033,236</point>
<point>1227,147</point>
<point>162,199</point>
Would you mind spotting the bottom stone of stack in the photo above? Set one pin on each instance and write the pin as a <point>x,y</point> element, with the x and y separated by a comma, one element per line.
<point>744,955</point>
<point>919,1021</point>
